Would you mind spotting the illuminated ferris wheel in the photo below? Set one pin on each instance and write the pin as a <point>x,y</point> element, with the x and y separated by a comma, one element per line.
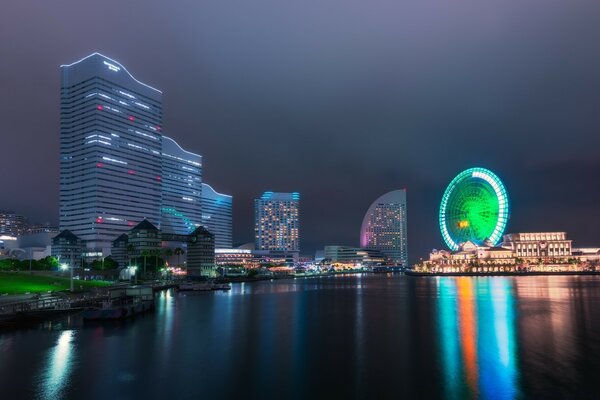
<point>474,208</point>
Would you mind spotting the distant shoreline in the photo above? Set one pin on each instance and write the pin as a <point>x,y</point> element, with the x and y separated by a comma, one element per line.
<point>530,273</point>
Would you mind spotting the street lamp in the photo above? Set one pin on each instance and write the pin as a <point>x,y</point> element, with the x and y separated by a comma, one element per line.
<point>133,271</point>
<point>64,267</point>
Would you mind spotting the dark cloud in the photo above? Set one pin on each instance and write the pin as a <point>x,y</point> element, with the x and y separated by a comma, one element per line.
<point>341,100</point>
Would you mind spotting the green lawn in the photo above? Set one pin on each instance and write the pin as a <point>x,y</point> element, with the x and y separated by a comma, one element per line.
<point>23,282</point>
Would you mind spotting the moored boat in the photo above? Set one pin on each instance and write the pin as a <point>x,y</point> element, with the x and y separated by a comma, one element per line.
<point>122,303</point>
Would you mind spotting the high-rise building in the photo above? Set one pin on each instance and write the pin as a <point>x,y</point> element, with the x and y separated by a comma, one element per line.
<point>181,189</point>
<point>12,224</point>
<point>110,147</point>
<point>384,227</point>
<point>217,215</point>
<point>277,222</point>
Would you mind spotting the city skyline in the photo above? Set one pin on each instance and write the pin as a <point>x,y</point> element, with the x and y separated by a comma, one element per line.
<point>523,121</point>
<point>300,199</point>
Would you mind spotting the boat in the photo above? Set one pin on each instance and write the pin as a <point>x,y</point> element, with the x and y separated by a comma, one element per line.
<point>122,303</point>
<point>202,286</point>
<point>221,286</point>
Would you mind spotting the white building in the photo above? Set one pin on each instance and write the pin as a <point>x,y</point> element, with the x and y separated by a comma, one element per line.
<point>277,222</point>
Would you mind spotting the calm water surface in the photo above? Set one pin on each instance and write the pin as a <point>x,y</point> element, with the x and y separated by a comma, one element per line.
<point>370,336</point>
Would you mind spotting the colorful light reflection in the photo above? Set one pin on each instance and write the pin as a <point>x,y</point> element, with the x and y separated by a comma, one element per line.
<point>477,338</point>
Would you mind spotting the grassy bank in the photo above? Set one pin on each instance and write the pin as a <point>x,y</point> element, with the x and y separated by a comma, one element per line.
<point>23,282</point>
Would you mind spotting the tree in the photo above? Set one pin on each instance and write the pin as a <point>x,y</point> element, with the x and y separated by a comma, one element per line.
<point>145,253</point>
<point>156,254</point>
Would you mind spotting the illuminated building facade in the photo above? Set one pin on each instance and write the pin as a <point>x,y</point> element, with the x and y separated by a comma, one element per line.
<point>12,224</point>
<point>277,222</point>
<point>353,255</point>
<point>242,257</point>
<point>181,189</point>
<point>540,244</point>
<point>519,252</point>
<point>217,211</point>
<point>384,227</point>
<point>110,147</point>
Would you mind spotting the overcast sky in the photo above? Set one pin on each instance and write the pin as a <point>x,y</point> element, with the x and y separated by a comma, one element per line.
<point>340,100</point>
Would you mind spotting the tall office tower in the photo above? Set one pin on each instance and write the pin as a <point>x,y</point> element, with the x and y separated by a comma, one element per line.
<point>217,211</point>
<point>384,227</point>
<point>12,224</point>
<point>110,146</point>
<point>181,189</point>
<point>277,222</point>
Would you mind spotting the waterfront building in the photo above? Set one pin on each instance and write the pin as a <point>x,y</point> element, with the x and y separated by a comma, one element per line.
<point>110,151</point>
<point>217,215</point>
<point>269,258</point>
<point>201,253</point>
<point>538,244</point>
<point>181,189</point>
<point>119,250</point>
<point>242,257</point>
<point>587,254</point>
<point>144,238</point>
<point>353,255</point>
<point>531,251</point>
<point>12,224</point>
<point>384,227</point>
<point>67,247</point>
<point>277,222</point>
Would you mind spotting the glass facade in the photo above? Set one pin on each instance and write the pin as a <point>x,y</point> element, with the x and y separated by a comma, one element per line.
<point>277,222</point>
<point>384,227</point>
<point>181,189</point>
<point>110,147</point>
<point>217,216</point>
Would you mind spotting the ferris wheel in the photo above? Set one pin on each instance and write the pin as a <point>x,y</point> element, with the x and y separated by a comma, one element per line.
<point>474,208</point>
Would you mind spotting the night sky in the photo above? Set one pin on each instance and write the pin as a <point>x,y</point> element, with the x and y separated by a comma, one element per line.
<point>340,100</point>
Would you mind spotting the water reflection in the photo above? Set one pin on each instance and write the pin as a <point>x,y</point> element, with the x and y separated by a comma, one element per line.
<point>477,338</point>
<point>59,364</point>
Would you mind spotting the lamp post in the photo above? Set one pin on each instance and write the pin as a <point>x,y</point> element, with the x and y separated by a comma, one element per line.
<point>64,267</point>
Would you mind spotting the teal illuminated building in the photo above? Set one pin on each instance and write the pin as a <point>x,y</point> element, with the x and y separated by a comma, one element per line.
<point>217,215</point>
<point>181,189</point>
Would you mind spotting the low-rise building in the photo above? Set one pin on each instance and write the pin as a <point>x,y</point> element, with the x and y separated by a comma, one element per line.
<point>119,249</point>
<point>68,248</point>
<point>544,251</point>
<point>201,253</point>
<point>354,255</point>
<point>242,257</point>
<point>144,237</point>
<point>536,245</point>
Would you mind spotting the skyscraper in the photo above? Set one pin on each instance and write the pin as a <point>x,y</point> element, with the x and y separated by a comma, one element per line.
<point>277,222</point>
<point>384,227</point>
<point>217,214</point>
<point>181,189</point>
<point>12,224</point>
<point>110,147</point>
